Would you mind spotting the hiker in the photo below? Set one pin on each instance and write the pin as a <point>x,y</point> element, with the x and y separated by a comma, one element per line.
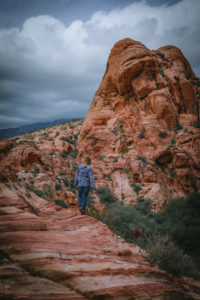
<point>84,178</point>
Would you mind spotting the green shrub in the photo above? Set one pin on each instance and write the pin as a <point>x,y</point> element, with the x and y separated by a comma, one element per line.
<point>143,159</point>
<point>58,187</point>
<point>162,55</point>
<point>67,139</point>
<point>121,126</point>
<point>101,157</point>
<point>179,126</point>
<point>90,201</point>
<point>106,196</point>
<point>107,176</point>
<point>52,153</point>
<point>173,142</point>
<point>61,203</point>
<point>171,259</point>
<point>141,135</point>
<point>63,154</point>
<point>38,192</point>
<point>36,171</point>
<point>168,237</point>
<point>137,187</point>
<point>162,73</point>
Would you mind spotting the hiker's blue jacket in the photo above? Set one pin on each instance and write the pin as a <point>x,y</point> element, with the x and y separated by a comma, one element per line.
<point>84,176</point>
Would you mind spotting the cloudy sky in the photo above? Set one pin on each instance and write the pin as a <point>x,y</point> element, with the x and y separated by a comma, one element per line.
<point>53,53</point>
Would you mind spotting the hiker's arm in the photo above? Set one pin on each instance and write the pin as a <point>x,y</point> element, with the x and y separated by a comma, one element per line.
<point>76,178</point>
<point>91,179</point>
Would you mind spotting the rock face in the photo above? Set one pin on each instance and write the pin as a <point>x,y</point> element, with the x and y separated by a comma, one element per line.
<point>48,252</point>
<point>141,128</point>
<point>43,162</point>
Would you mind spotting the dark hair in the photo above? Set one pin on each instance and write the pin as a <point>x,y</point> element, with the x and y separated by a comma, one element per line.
<point>88,160</point>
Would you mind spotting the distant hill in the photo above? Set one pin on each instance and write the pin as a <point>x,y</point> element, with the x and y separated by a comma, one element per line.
<point>11,132</point>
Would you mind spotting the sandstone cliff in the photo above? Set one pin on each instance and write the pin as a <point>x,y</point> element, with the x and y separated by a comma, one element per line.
<point>141,130</point>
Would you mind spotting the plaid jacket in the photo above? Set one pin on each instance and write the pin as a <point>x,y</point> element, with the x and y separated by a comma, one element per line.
<point>84,176</point>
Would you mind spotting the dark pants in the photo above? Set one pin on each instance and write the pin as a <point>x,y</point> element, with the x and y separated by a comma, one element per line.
<point>83,192</point>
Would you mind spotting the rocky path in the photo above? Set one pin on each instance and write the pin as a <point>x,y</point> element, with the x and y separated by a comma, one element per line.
<point>56,253</point>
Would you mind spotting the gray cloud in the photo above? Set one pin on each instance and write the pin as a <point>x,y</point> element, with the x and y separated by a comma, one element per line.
<point>50,70</point>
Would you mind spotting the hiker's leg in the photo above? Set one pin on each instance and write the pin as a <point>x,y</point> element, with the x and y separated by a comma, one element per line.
<point>80,192</point>
<point>85,195</point>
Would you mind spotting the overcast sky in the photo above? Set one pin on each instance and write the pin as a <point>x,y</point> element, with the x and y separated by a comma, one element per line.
<point>53,53</point>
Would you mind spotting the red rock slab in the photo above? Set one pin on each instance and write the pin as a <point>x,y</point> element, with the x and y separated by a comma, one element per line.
<point>84,255</point>
<point>17,284</point>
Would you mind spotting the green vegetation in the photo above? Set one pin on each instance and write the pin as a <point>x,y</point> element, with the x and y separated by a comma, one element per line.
<point>36,171</point>
<point>169,238</point>
<point>121,126</point>
<point>63,154</point>
<point>67,139</point>
<point>58,187</point>
<point>107,176</point>
<point>137,187</point>
<point>38,192</point>
<point>61,203</point>
<point>162,72</point>
<point>141,135</point>
<point>179,126</point>
<point>52,153</point>
<point>162,55</point>
<point>101,157</point>
<point>173,142</point>
<point>106,196</point>
<point>143,159</point>
<point>115,131</point>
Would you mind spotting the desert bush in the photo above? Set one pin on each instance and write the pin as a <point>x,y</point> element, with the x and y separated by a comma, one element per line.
<point>168,238</point>
<point>162,55</point>
<point>121,126</point>
<point>67,139</point>
<point>58,187</point>
<point>136,187</point>
<point>38,192</point>
<point>141,135</point>
<point>173,142</point>
<point>52,153</point>
<point>61,203</point>
<point>36,171</point>
<point>171,259</point>
<point>179,126</point>
<point>106,196</point>
<point>63,154</point>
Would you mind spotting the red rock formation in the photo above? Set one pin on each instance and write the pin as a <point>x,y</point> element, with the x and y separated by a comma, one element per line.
<point>43,161</point>
<point>48,252</point>
<point>140,127</point>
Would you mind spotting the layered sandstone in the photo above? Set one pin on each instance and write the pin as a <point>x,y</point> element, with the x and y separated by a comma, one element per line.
<point>141,128</point>
<point>48,252</point>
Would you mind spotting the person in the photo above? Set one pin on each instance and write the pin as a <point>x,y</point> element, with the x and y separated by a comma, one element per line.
<point>84,178</point>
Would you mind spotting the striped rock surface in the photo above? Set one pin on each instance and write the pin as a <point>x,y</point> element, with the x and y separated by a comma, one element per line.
<point>48,252</point>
